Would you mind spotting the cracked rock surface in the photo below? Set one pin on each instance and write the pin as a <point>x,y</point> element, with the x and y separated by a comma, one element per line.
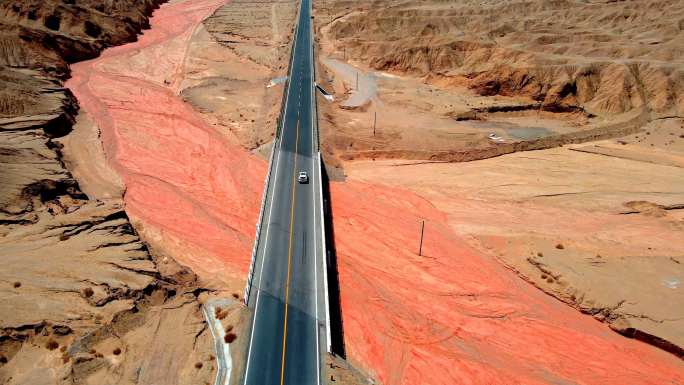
<point>635,295</point>
<point>91,248</point>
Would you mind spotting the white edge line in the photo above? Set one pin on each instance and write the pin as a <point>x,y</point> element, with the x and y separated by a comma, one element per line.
<point>261,271</point>
<point>268,227</point>
<point>320,186</point>
<point>313,197</point>
<point>321,218</point>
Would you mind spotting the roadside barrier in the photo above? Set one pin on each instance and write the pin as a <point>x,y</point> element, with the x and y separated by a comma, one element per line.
<point>328,338</point>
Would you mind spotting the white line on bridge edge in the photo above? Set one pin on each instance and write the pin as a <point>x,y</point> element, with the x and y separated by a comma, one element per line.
<point>312,101</point>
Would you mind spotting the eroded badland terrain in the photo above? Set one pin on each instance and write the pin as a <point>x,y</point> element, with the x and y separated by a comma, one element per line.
<point>134,145</point>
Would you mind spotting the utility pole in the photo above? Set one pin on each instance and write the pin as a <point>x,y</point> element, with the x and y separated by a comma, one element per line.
<point>422,231</point>
<point>375,120</point>
<point>539,111</point>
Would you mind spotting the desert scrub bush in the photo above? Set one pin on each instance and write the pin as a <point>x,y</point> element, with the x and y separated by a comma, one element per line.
<point>52,344</point>
<point>229,338</point>
<point>88,292</point>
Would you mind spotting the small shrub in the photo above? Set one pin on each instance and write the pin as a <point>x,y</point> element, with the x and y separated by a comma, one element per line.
<point>16,284</point>
<point>99,355</point>
<point>62,348</point>
<point>88,292</point>
<point>52,344</point>
<point>560,246</point>
<point>236,295</point>
<point>117,351</point>
<point>229,328</point>
<point>540,254</point>
<point>549,280</point>
<point>198,365</point>
<point>93,351</point>
<point>543,276</point>
<point>3,359</point>
<point>230,337</point>
<point>221,315</point>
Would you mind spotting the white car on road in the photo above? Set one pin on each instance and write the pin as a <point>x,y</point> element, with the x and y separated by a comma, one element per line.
<point>303,177</point>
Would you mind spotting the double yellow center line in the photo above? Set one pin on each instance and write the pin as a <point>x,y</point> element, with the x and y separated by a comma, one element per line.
<point>289,258</point>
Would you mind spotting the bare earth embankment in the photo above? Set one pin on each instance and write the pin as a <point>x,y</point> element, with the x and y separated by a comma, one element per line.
<point>594,218</point>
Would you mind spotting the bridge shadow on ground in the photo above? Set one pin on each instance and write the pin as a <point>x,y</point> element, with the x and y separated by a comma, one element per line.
<point>336,324</point>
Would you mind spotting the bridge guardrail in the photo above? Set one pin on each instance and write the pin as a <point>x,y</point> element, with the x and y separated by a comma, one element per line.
<point>319,165</point>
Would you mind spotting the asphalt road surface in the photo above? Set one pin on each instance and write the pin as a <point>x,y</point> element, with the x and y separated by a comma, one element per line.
<point>286,334</point>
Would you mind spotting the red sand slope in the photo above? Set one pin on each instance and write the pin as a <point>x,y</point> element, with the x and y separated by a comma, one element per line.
<point>453,316</point>
<point>185,181</point>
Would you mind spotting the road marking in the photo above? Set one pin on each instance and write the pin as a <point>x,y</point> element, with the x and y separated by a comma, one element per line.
<point>261,269</point>
<point>312,95</point>
<point>289,258</point>
<point>275,182</point>
<point>312,100</point>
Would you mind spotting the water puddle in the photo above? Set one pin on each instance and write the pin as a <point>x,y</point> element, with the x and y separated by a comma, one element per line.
<point>510,129</point>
